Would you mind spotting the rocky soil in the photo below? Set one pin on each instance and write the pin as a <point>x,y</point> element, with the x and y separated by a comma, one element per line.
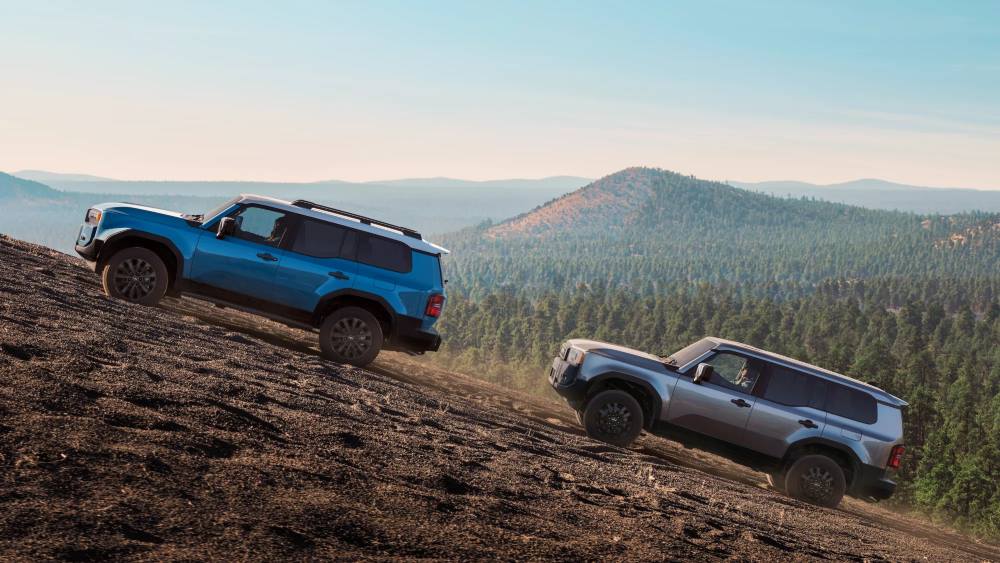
<point>188,432</point>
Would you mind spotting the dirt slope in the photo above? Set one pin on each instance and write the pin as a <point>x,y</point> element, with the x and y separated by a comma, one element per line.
<point>140,433</point>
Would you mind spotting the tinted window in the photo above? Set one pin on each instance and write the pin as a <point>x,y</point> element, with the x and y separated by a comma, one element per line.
<point>788,387</point>
<point>259,224</point>
<point>322,240</point>
<point>733,372</point>
<point>383,253</point>
<point>851,403</point>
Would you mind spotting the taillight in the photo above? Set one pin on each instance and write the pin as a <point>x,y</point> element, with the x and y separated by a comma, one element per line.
<point>896,457</point>
<point>434,306</point>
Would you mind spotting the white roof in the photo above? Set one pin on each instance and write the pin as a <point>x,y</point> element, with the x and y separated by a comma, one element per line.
<point>414,243</point>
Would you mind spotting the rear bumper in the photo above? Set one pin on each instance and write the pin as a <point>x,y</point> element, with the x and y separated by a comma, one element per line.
<point>409,336</point>
<point>873,483</point>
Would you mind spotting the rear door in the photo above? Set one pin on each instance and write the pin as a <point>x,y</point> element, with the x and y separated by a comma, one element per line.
<point>314,265</point>
<point>788,409</point>
<point>720,406</point>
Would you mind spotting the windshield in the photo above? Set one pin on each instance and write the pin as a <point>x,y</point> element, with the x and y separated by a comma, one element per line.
<point>217,210</point>
<point>690,352</point>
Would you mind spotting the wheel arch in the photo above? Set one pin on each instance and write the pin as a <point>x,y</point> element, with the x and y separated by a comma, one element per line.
<point>841,453</point>
<point>370,302</point>
<point>162,246</point>
<point>640,389</point>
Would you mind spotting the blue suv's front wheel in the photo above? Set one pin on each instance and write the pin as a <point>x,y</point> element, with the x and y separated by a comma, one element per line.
<point>135,274</point>
<point>351,335</point>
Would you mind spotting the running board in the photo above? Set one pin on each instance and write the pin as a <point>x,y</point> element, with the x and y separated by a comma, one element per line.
<point>243,308</point>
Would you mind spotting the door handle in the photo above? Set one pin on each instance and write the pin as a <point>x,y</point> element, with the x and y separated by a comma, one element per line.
<point>266,256</point>
<point>808,423</point>
<point>740,403</point>
<point>340,275</point>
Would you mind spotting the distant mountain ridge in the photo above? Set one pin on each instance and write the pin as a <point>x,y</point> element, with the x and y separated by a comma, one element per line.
<point>47,177</point>
<point>881,194</point>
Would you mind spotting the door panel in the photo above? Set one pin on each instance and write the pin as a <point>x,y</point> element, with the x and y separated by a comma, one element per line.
<point>246,261</point>
<point>773,427</point>
<point>788,410</point>
<point>303,280</point>
<point>234,265</point>
<point>719,407</point>
<point>313,266</point>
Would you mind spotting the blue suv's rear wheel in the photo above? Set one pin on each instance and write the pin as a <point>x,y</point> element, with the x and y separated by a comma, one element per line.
<point>351,335</point>
<point>135,274</point>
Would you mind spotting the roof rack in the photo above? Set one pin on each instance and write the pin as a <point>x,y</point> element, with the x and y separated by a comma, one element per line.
<point>305,204</point>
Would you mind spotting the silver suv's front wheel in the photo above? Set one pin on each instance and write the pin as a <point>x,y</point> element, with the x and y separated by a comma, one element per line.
<point>351,335</point>
<point>614,417</point>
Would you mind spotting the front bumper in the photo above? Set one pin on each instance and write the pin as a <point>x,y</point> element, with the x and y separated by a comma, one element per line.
<point>563,378</point>
<point>90,252</point>
<point>873,483</point>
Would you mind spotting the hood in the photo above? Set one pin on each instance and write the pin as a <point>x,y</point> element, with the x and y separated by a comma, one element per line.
<point>617,352</point>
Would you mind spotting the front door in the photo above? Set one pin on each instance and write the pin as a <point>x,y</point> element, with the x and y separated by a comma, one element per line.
<point>246,261</point>
<point>720,406</point>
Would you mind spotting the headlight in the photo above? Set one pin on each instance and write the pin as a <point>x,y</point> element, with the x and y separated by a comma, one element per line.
<point>93,216</point>
<point>575,356</point>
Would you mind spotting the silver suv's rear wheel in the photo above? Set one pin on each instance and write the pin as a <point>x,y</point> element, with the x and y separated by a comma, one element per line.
<point>614,417</point>
<point>137,275</point>
<point>351,335</point>
<point>816,479</point>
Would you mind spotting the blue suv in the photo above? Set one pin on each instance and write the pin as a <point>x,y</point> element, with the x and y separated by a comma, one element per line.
<point>364,284</point>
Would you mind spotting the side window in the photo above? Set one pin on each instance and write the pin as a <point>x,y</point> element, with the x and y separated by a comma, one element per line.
<point>383,253</point>
<point>851,403</point>
<point>261,225</point>
<point>318,239</point>
<point>789,387</point>
<point>733,372</point>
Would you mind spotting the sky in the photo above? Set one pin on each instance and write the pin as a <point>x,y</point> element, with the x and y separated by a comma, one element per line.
<point>823,92</point>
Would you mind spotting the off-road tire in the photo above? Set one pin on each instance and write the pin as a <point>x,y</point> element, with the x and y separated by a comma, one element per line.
<point>351,335</point>
<point>614,417</point>
<point>816,479</point>
<point>136,275</point>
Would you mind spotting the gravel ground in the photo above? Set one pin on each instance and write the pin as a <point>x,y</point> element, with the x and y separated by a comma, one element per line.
<point>137,433</point>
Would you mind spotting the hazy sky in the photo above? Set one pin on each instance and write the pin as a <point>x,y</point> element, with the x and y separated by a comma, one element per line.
<point>819,91</point>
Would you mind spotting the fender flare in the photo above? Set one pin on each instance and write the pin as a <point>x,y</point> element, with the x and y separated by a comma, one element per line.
<point>655,398</point>
<point>852,456</point>
<point>393,316</point>
<point>102,258</point>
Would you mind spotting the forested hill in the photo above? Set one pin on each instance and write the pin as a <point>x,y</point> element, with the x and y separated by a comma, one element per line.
<point>641,228</point>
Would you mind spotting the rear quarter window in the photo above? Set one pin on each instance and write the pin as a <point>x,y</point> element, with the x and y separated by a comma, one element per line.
<point>851,403</point>
<point>384,253</point>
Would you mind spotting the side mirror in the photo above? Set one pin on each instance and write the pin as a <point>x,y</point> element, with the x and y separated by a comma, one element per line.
<point>227,226</point>
<point>703,372</point>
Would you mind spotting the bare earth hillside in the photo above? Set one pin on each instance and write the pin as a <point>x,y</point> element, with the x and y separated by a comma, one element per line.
<point>192,433</point>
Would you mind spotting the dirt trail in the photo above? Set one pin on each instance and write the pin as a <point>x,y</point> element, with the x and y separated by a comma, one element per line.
<point>190,432</point>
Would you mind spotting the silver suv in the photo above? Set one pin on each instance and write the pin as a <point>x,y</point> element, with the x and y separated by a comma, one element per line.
<point>816,433</point>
